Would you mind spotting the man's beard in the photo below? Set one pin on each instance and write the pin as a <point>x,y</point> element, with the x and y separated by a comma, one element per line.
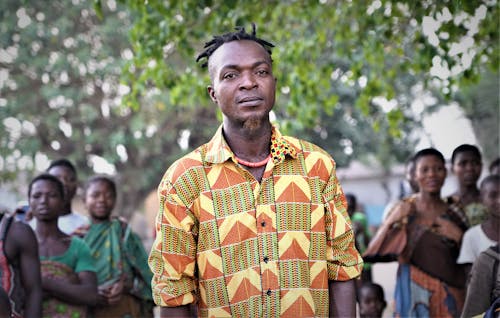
<point>253,123</point>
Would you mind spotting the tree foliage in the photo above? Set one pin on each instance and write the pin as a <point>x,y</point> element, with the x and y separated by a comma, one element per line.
<point>380,40</point>
<point>118,81</point>
<point>61,97</point>
<point>481,105</point>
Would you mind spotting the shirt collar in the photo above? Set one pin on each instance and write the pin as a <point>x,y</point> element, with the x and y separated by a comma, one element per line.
<point>218,150</point>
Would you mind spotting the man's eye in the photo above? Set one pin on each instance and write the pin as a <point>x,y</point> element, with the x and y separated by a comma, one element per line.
<point>262,72</point>
<point>229,76</point>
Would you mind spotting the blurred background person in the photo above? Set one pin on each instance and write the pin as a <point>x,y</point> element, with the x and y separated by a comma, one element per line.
<point>69,220</point>
<point>406,191</point>
<point>123,274</point>
<point>371,300</point>
<point>68,274</point>
<point>20,267</point>
<point>410,178</point>
<point>5,309</point>
<point>429,283</point>
<point>361,232</point>
<point>483,291</point>
<point>466,165</point>
<point>65,170</point>
<point>494,167</point>
<point>479,237</point>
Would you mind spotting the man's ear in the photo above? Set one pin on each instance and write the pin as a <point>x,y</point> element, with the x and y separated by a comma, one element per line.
<point>211,93</point>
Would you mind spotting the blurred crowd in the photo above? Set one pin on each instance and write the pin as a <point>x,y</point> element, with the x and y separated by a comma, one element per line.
<point>55,262</point>
<point>447,248</point>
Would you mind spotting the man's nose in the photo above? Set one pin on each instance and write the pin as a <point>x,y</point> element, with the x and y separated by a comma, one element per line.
<point>248,80</point>
<point>430,173</point>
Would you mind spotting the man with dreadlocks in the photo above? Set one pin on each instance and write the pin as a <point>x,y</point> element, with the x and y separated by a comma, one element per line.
<point>252,223</point>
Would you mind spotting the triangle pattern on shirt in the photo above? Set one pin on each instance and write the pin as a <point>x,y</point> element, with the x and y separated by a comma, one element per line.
<point>319,275</point>
<point>241,285</point>
<point>224,177</point>
<point>296,304</point>
<point>236,228</point>
<point>290,189</point>
<point>315,163</point>
<point>294,245</point>
<point>205,207</point>
<point>210,264</point>
<point>317,218</point>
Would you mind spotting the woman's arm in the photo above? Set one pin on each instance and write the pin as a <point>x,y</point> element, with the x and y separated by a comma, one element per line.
<point>82,293</point>
<point>29,264</point>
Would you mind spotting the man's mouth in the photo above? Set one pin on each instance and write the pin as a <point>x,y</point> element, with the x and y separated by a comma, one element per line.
<point>249,99</point>
<point>43,210</point>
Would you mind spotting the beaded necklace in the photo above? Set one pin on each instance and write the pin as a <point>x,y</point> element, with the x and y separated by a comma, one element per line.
<point>253,164</point>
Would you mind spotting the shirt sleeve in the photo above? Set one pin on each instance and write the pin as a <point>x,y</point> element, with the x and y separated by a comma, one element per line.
<point>344,261</point>
<point>84,261</point>
<point>173,254</point>
<point>466,255</point>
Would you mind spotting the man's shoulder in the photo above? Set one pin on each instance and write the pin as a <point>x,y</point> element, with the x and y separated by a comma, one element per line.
<point>186,164</point>
<point>492,251</point>
<point>22,232</point>
<point>489,255</point>
<point>78,243</point>
<point>307,147</point>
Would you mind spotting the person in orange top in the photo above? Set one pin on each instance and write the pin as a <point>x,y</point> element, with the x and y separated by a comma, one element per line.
<point>252,223</point>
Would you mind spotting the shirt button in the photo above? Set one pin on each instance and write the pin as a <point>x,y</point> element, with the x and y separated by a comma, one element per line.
<point>268,292</point>
<point>263,223</point>
<point>266,259</point>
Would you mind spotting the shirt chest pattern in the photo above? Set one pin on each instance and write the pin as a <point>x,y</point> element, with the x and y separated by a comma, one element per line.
<point>261,247</point>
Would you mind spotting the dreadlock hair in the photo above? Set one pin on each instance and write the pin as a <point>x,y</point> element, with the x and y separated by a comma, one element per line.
<point>240,34</point>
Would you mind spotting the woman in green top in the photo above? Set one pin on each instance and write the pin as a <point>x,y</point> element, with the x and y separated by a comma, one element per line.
<point>68,275</point>
<point>124,277</point>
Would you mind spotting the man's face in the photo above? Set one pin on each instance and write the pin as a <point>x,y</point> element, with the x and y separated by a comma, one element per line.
<point>68,178</point>
<point>100,200</point>
<point>490,197</point>
<point>45,200</point>
<point>467,167</point>
<point>243,84</point>
<point>370,304</point>
<point>410,176</point>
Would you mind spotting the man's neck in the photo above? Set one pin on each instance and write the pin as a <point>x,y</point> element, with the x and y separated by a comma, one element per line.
<point>491,228</point>
<point>249,144</point>
<point>468,194</point>
<point>67,210</point>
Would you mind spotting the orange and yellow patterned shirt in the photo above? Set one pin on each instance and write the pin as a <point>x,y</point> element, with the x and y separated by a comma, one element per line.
<point>240,248</point>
